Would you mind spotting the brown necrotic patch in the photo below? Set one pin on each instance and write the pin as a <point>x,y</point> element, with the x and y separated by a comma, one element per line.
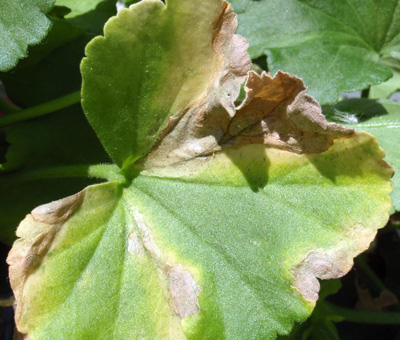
<point>36,235</point>
<point>183,291</point>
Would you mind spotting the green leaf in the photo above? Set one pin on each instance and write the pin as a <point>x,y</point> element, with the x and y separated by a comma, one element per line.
<point>22,23</point>
<point>136,84</point>
<point>200,255</point>
<point>89,14</point>
<point>332,45</point>
<point>382,119</point>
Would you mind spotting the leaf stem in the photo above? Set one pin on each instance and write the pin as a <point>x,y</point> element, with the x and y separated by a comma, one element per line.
<point>365,93</point>
<point>109,172</point>
<point>377,318</point>
<point>374,280</point>
<point>40,110</point>
<point>6,107</point>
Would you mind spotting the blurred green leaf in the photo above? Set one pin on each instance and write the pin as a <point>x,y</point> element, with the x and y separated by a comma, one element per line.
<point>334,45</point>
<point>22,23</point>
<point>61,138</point>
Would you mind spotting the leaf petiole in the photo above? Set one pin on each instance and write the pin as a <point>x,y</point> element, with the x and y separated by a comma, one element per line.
<point>41,110</point>
<point>374,280</point>
<point>377,318</point>
<point>105,171</point>
<point>6,107</point>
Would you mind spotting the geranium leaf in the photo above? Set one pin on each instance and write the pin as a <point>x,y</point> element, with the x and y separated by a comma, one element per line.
<point>225,215</point>
<point>22,23</point>
<point>382,119</point>
<point>201,255</point>
<point>332,45</point>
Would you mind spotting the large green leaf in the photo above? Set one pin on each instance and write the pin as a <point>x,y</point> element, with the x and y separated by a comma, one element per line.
<point>382,119</point>
<point>201,255</point>
<point>334,45</point>
<point>22,23</point>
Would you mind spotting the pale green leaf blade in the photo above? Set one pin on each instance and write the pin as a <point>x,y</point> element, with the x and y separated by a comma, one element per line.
<point>22,23</point>
<point>152,65</point>
<point>380,118</point>
<point>332,45</point>
<point>193,252</point>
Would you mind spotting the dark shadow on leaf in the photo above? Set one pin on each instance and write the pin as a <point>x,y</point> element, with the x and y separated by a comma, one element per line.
<point>93,21</point>
<point>354,110</point>
<point>349,161</point>
<point>253,164</point>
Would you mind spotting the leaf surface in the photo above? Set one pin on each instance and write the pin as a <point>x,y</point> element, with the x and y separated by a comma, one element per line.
<point>22,23</point>
<point>200,255</point>
<point>332,45</point>
<point>380,118</point>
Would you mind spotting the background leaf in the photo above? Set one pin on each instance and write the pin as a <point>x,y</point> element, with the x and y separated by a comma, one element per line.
<point>89,14</point>
<point>380,118</point>
<point>22,23</point>
<point>333,45</point>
